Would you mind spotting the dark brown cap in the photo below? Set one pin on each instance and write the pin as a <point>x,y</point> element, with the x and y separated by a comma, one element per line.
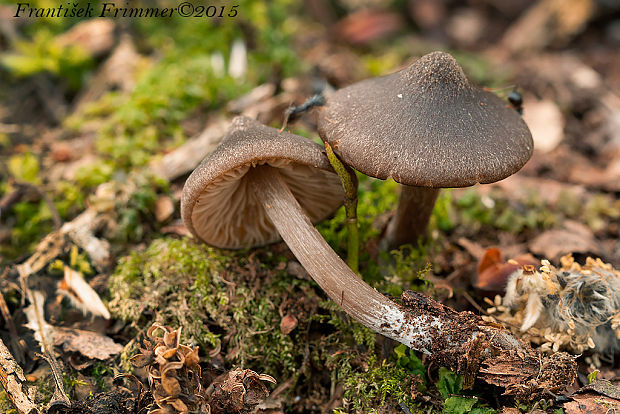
<point>219,207</point>
<point>426,126</point>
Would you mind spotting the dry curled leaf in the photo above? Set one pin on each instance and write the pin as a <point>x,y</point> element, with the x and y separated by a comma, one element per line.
<point>173,371</point>
<point>493,272</point>
<point>238,391</point>
<point>287,324</point>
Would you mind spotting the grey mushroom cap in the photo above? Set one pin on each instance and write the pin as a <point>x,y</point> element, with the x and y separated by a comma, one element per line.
<point>219,207</point>
<point>426,126</point>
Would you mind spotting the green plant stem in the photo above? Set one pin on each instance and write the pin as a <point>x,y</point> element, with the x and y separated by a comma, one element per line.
<point>349,183</point>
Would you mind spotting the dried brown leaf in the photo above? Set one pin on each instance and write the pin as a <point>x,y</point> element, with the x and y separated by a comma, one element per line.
<point>288,323</point>
<point>90,344</point>
<point>591,403</point>
<point>164,208</point>
<point>574,238</point>
<point>171,386</point>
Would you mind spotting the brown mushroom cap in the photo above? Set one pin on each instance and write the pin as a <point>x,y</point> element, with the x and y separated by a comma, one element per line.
<point>426,126</point>
<point>220,209</point>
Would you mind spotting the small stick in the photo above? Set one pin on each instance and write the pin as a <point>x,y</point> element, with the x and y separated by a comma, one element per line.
<point>14,383</point>
<point>8,319</point>
<point>59,398</point>
<point>292,111</point>
<point>349,183</point>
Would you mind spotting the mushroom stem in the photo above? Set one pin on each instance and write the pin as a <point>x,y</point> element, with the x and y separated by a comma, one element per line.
<point>422,330</point>
<point>412,215</point>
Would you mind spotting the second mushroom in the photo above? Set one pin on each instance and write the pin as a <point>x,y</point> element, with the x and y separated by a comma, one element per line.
<point>427,127</point>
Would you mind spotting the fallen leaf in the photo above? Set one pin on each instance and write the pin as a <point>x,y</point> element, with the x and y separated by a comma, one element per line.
<point>238,390</point>
<point>493,272</point>
<point>81,294</point>
<point>591,403</point>
<point>549,191</point>
<point>603,387</point>
<point>90,344</point>
<point>287,324</point>
<point>573,238</point>
<point>546,123</point>
<point>35,314</point>
<point>255,96</point>
<point>95,36</point>
<point>366,26</point>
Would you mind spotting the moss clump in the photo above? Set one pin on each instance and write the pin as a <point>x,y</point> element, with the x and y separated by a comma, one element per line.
<point>372,385</point>
<point>160,281</point>
<point>43,54</point>
<point>237,302</point>
<point>233,301</point>
<point>475,213</point>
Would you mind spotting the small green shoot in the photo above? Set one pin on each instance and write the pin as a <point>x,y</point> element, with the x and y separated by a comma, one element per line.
<point>592,376</point>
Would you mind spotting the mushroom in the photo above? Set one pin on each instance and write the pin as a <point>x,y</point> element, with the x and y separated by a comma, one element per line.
<point>260,182</point>
<point>427,127</point>
<point>220,204</point>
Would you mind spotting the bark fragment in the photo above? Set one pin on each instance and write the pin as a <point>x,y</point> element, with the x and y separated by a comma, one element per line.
<point>487,351</point>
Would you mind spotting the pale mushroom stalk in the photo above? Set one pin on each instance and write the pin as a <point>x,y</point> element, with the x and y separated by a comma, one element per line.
<point>414,210</point>
<point>349,291</point>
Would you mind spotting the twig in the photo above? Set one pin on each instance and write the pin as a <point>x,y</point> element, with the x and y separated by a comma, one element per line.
<point>7,201</point>
<point>404,407</point>
<point>187,157</point>
<point>15,344</point>
<point>59,399</point>
<point>292,111</point>
<point>13,381</point>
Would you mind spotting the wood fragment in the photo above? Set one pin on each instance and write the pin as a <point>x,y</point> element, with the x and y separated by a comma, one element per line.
<point>59,398</point>
<point>187,157</point>
<point>13,381</point>
<point>80,231</point>
<point>8,320</point>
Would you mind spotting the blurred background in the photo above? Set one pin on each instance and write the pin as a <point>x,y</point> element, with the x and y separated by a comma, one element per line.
<point>109,115</point>
<point>85,99</point>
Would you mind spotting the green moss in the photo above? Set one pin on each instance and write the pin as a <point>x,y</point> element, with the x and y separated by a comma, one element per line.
<point>238,301</point>
<point>183,81</point>
<point>371,385</point>
<point>599,210</point>
<point>29,222</point>
<point>43,54</point>
<point>179,282</point>
<point>495,211</point>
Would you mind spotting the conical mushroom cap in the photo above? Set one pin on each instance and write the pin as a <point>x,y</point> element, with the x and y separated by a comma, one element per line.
<point>426,126</point>
<point>218,205</point>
